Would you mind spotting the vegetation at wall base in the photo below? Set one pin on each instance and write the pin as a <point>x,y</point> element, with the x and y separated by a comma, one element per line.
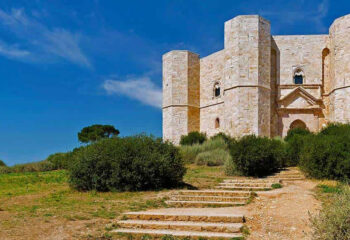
<point>193,138</point>
<point>327,155</point>
<point>256,156</point>
<point>295,140</point>
<point>127,164</point>
<point>212,152</point>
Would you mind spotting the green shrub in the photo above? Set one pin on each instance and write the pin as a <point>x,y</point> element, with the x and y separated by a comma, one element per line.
<point>62,160</point>
<point>255,156</point>
<point>41,166</point>
<point>333,221</point>
<point>216,157</point>
<point>4,170</point>
<point>2,164</point>
<point>127,164</point>
<point>326,156</point>
<point>228,139</point>
<point>296,131</point>
<point>336,129</point>
<point>295,140</point>
<point>193,138</point>
<point>190,153</point>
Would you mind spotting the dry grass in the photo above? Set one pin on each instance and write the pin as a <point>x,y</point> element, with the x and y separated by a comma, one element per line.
<point>58,212</point>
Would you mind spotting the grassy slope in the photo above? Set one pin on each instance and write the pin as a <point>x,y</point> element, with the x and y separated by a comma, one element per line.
<point>45,199</point>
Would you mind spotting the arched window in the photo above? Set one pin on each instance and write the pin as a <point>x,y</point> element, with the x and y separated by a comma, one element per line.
<point>217,123</point>
<point>217,90</point>
<point>298,76</point>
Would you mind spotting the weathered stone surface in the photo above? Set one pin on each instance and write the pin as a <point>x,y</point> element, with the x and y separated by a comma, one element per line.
<point>258,92</point>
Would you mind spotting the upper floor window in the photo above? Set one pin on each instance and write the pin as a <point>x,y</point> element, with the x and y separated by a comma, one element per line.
<point>217,90</point>
<point>217,123</point>
<point>298,76</point>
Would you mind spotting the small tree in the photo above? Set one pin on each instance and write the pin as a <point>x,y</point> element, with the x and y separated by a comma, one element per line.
<point>2,164</point>
<point>97,132</point>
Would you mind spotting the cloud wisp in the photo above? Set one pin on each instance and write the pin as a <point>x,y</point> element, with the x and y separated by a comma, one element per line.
<point>291,15</point>
<point>141,89</point>
<point>37,42</point>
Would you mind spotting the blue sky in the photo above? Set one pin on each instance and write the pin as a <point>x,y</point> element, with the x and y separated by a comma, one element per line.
<point>66,64</point>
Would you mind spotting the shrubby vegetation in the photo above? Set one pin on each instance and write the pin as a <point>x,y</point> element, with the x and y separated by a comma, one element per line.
<point>213,152</point>
<point>333,221</point>
<point>295,140</point>
<point>127,164</point>
<point>193,138</point>
<point>327,154</point>
<point>2,164</point>
<point>255,156</point>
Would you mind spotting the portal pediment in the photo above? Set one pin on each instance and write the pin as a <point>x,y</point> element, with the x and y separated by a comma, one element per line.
<point>299,98</point>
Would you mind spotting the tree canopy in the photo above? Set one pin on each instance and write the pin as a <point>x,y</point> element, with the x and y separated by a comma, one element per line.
<point>97,132</point>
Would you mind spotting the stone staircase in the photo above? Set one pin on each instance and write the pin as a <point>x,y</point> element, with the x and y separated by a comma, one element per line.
<point>181,224</point>
<point>247,184</point>
<point>203,223</point>
<point>288,175</point>
<point>209,198</point>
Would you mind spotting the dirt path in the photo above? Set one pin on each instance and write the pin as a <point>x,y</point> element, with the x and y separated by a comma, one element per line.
<point>282,214</point>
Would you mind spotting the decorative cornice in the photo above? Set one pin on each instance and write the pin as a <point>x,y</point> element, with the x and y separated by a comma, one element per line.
<point>210,105</point>
<point>241,86</point>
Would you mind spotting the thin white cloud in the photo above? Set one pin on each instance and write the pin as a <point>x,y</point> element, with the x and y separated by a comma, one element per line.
<point>300,13</point>
<point>12,51</point>
<point>141,89</point>
<point>43,43</point>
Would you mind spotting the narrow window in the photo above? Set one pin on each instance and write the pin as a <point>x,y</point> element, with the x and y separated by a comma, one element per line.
<point>298,77</point>
<point>217,123</point>
<point>217,90</point>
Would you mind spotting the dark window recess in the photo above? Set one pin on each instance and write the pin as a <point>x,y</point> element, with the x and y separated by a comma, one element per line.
<point>217,91</point>
<point>298,79</point>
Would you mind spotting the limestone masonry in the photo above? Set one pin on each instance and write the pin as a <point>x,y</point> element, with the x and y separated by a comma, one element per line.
<point>259,84</point>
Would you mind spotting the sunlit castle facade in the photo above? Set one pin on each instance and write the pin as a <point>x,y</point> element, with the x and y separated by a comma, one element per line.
<point>259,84</point>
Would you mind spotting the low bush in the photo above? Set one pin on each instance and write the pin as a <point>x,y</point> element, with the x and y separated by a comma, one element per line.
<point>336,129</point>
<point>326,156</point>
<point>333,221</point>
<point>216,157</point>
<point>228,139</point>
<point>193,138</point>
<point>4,169</point>
<point>255,156</point>
<point>62,160</point>
<point>2,164</point>
<point>190,153</point>
<point>127,164</point>
<point>295,140</point>
<point>41,166</point>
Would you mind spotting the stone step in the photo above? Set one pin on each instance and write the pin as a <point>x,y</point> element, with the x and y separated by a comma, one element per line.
<point>244,188</point>
<point>204,203</point>
<point>182,234</point>
<point>258,180</point>
<point>207,198</point>
<point>291,179</point>
<point>214,193</point>
<point>286,177</point>
<point>246,184</point>
<point>182,226</point>
<point>181,216</point>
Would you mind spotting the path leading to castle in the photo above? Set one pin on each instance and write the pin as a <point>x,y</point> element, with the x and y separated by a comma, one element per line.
<point>283,214</point>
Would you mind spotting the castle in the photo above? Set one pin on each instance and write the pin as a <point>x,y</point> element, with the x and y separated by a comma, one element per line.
<point>259,84</point>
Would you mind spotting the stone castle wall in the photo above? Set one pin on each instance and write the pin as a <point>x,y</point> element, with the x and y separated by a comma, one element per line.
<point>256,74</point>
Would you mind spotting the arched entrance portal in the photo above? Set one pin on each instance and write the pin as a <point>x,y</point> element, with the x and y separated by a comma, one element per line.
<point>297,124</point>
